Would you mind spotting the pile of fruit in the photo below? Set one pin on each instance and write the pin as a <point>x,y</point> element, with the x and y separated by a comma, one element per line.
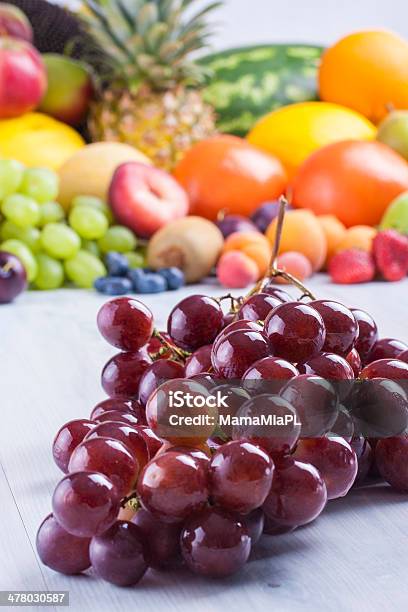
<point>139,492</point>
<point>55,246</point>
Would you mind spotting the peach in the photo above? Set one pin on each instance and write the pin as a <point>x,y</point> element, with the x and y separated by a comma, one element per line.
<point>252,244</point>
<point>303,233</point>
<point>145,198</point>
<point>358,237</point>
<point>334,230</point>
<point>236,270</point>
<point>296,264</point>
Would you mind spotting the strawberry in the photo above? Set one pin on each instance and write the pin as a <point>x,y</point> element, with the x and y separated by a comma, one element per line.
<point>352,266</point>
<point>390,251</point>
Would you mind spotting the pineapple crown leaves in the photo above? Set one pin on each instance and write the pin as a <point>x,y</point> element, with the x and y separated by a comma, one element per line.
<point>149,41</point>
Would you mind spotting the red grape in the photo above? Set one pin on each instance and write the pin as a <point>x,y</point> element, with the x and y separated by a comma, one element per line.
<point>13,277</point>
<point>123,404</point>
<point>172,486</point>
<point>298,494</point>
<point>130,437</point>
<point>162,407</point>
<point>258,306</point>
<point>240,476</point>
<point>296,331</point>
<point>394,369</point>
<point>272,527</point>
<point>387,348</point>
<point>60,550</point>
<point>162,540</point>
<point>254,523</point>
<point>67,439</point>
<point>367,333</point>
<point>120,416</point>
<point>85,503</point>
<point>354,360</point>
<point>380,408</point>
<point>343,427</point>
<point>199,362</point>
<point>329,366</point>
<point>125,323</point>
<point>282,295</point>
<point>118,555</point>
<point>155,375</point>
<point>214,543</point>
<point>391,456</point>
<point>153,442</point>
<point>268,375</point>
<point>195,321</point>
<point>201,454</point>
<point>341,326</point>
<point>403,356</point>
<point>335,460</point>
<point>110,457</point>
<point>233,355</point>
<point>122,373</point>
<point>233,396</point>
<point>365,456</point>
<point>276,438</point>
<point>315,401</point>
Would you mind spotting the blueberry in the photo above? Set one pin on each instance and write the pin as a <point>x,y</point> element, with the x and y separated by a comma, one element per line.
<point>113,285</point>
<point>174,277</point>
<point>135,275</point>
<point>117,264</point>
<point>150,283</point>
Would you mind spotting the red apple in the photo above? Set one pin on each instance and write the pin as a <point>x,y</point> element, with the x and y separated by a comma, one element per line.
<point>146,198</point>
<point>14,23</point>
<point>23,79</point>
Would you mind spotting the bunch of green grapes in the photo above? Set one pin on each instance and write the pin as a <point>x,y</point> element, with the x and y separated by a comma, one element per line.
<point>53,247</point>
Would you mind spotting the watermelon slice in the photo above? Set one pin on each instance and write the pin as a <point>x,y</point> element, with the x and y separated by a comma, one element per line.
<point>249,82</point>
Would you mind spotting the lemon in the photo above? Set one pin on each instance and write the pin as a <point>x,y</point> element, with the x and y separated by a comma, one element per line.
<point>38,140</point>
<point>293,132</point>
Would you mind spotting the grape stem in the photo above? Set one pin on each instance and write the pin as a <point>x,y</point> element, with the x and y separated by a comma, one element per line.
<point>131,500</point>
<point>273,271</point>
<point>7,267</point>
<point>178,353</point>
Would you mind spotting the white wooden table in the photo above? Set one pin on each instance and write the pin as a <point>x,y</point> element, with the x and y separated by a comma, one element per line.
<point>353,558</point>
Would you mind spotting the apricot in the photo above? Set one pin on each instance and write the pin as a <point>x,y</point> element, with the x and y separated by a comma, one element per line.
<point>334,230</point>
<point>236,270</point>
<point>303,233</point>
<point>357,237</point>
<point>252,244</point>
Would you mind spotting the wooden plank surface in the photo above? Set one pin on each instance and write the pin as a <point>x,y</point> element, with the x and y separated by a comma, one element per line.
<point>354,557</point>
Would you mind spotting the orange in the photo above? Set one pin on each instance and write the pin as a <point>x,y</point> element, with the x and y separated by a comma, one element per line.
<point>226,172</point>
<point>355,181</point>
<point>301,232</point>
<point>366,71</point>
<point>334,230</point>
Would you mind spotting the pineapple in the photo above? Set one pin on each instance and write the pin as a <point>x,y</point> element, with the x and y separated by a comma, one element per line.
<point>149,94</point>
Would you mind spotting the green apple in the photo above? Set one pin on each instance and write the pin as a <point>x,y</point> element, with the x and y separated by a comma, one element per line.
<point>396,215</point>
<point>70,89</point>
<point>393,131</point>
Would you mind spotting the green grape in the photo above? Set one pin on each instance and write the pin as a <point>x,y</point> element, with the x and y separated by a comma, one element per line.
<point>60,241</point>
<point>93,202</point>
<point>50,273</point>
<point>91,247</point>
<point>135,260</point>
<point>89,223</point>
<point>84,268</point>
<point>11,175</point>
<point>118,238</point>
<point>29,235</point>
<point>40,184</point>
<point>21,210</point>
<point>51,212</point>
<point>21,250</point>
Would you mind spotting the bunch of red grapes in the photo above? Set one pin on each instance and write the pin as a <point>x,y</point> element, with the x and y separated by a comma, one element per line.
<point>131,500</point>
